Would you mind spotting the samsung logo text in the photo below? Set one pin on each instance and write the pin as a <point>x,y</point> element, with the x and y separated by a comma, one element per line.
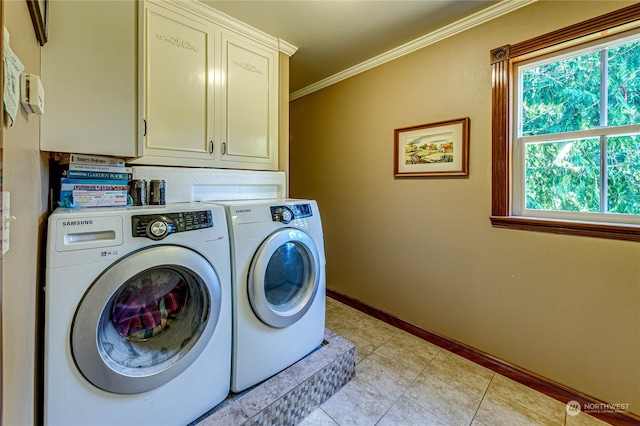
<point>77,222</point>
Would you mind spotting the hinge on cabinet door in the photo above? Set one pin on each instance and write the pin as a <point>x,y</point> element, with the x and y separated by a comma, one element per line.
<point>224,148</point>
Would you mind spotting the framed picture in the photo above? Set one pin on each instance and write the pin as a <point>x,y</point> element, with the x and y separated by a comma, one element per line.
<point>434,149</point>
<point>39,9</point>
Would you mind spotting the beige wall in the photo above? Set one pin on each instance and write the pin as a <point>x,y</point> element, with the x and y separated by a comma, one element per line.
<point>567,308</point>
<point>25,177</point>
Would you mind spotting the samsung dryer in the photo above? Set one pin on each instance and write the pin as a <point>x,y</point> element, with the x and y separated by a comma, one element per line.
<point>278,283</point>
<point>137,315</point>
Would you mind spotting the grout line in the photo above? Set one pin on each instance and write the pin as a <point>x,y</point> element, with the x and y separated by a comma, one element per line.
<point>483,397</point>
<point>327,414</point>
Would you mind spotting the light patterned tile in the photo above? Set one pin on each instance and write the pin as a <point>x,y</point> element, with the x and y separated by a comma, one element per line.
<point>267,393</point>
<point>366,332</point>
<point>461,373</point>
<point>409,342</point>
<point>318,418</point>
<point>334,348</point>
<point>230,414</point>
<point>529,398</point>
<point>380,381</point>
<point>448,389</point>
<point>405,354</point>
<point>407,412</point>
<point>497,410</point>
<point>343,316</point>
<point>583,419</point>
<point>331,303</point>
<point>449,403</point>
<point>364,348</point>
<point>353,406</point>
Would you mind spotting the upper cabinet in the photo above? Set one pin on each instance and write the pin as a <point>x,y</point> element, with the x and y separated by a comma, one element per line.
<point>210,94</point>
<point>89,71</point>
<point>178,102</point>
<point>249,99</point>
<point>200,90</point>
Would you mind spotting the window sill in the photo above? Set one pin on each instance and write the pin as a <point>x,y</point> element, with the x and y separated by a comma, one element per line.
<point>611,231</point>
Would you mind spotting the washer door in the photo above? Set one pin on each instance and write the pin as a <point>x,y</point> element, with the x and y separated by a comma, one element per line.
<point>146,319</point>
<point>284,277</point>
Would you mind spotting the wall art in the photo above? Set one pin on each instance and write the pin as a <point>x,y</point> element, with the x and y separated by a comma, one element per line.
<point>433,149</point>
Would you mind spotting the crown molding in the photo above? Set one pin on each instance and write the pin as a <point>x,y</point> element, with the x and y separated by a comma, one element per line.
<point>287,48</point>
<point>486,15</point>
<point>210,14</point>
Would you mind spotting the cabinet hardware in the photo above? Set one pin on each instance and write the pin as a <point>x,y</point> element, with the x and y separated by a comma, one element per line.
<point>211,145</point>
<point>144,126</point>
<point>224,148</point>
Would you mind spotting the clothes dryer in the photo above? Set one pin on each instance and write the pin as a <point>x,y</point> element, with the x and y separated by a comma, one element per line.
<point>137,315</point>
<point>278,282</point>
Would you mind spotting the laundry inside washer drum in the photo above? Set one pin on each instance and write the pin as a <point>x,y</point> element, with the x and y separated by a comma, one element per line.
<point>148,306</point>
<point>154,316</point>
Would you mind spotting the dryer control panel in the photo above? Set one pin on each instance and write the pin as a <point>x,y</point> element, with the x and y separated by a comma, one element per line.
<point>158,226</point>
<point>286,214</point>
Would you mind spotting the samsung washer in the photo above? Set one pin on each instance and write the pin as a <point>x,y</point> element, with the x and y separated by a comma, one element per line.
<point>137,315</point>
<point>278,283</point>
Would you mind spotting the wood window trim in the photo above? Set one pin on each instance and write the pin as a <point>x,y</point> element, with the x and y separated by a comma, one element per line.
<point>502,60</point>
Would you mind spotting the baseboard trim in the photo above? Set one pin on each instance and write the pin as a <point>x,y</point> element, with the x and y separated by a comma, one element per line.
<point>546,386</point>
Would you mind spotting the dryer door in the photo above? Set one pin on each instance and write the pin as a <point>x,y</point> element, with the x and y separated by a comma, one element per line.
<point>146,319</point>
<point>284,277</point>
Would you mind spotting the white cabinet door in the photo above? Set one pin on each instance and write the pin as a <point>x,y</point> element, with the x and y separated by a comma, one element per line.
<point>249,112</point>
<point>160,82</point>
<point>89,73</point>
<point>179,104</point>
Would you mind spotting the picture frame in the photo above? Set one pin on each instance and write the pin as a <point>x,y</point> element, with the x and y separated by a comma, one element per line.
<point>433,149</point>
<point>39,11</point>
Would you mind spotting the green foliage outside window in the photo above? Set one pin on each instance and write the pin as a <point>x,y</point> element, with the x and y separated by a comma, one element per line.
<point>624,174</point>
<point>562,97</point>
<point>624,84</point>
<point>565,96</point>
<point>563,176</point>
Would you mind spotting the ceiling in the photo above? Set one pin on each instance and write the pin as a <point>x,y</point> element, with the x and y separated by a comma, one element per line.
<point>335,35</point>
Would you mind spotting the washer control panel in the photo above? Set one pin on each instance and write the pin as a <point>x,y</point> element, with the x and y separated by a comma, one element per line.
<point>158,226</point>
<point>286,214</point>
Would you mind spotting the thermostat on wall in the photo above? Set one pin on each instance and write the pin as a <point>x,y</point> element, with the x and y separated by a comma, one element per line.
<point>32,93</point>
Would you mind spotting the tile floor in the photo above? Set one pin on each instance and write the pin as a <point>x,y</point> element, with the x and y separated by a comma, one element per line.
<point>402,380</point>
<point>286,398</point>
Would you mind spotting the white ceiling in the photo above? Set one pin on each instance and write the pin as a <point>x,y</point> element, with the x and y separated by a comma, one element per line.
<point>335,35</point>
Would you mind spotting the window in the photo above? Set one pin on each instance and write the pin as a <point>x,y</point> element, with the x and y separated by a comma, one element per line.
<point>576,147</point>
<point>566,130</point>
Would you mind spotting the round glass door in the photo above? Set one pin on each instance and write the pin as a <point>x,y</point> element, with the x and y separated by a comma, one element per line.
<point>284,277</point>
<point>146,319</point>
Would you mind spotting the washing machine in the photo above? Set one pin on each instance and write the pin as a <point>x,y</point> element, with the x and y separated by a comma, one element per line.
<point>278,285</point>
<point>137,315</point>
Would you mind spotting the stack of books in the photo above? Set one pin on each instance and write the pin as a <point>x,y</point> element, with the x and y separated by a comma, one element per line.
<point>93,181</point>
